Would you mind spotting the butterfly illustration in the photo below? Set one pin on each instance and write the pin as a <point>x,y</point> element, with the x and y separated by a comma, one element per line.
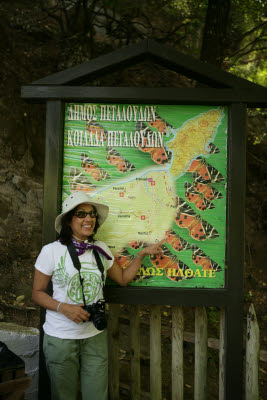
<point>160,124</point>
<point>80,182</point>
<point>170,264</point>
<point>198,228</point>
<point>176,241</point>
<point>201,259</point>
<point>205,170</point>
<point>136,244</point>
<point>164,260</point>
<point>197,198</point>
<point>201,186</point>
<point>213,149</point>
<point>90,167</point>
<point>123,258</point>
<point>176,272</point>
<point>114,158</point>
<point>96,129</point>
<point>158,154</point>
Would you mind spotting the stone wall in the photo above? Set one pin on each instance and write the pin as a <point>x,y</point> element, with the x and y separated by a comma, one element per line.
<point>24,342</point>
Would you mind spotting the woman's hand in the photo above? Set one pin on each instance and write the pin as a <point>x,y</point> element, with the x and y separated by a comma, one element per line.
<point>152,249</point>
<point>74,312</point>
<point>124,276</point>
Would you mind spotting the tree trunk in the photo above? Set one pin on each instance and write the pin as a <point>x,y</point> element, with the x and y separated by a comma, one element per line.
<point>215,31</point>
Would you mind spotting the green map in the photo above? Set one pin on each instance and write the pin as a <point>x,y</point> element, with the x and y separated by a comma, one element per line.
<point>161,169</point>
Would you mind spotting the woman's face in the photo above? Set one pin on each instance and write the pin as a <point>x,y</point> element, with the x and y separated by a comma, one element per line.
<point>83,227</point>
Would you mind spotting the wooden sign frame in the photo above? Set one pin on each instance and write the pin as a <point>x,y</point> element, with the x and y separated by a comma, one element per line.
<point>224,89</point>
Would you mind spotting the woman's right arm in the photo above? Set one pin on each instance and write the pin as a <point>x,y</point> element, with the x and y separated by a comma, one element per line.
<point>74,312</point>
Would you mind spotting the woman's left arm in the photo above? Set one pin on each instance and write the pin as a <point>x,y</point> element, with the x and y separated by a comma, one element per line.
<point>124,276</point>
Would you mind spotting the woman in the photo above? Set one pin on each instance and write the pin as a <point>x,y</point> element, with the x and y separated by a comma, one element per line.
<point>75,351</point>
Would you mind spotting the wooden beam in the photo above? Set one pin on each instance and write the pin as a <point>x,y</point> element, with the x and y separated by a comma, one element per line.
<point>79,74</point>
<point>252,355</point>
<point>193,68</point>
<point>208,96</point>
<point>114,347</point>
<point>135,352</point>
<point>155,354</point>
<point>233,336</point>
<point>201,354</point>
<point>147,50</point>
<point>177,353</point>
<point>171,296</point>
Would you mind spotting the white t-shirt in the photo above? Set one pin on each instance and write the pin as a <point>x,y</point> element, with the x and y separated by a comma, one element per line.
<point>54,260</point>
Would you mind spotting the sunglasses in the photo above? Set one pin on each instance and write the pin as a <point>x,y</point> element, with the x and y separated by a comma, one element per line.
<point>82,214</point>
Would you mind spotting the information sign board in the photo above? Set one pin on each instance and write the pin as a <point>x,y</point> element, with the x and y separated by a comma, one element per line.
<point>162,171</point>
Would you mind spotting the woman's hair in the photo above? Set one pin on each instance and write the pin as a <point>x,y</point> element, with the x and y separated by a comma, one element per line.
<point>66,231</point>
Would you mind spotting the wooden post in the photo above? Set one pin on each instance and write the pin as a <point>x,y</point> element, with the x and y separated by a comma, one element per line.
<point>155,354</point>
<point>114,347</point>
<point>177,353</point>
<point>54,140</point>
<point>222,356</point>
<point>252,355</point>
<point>201,346</point>
<point>135,352</point>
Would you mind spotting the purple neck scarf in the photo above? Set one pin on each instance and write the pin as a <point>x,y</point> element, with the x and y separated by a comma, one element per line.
<point>81,248</point>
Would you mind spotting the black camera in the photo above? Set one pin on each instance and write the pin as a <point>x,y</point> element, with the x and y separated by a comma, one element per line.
<point>97,314</point>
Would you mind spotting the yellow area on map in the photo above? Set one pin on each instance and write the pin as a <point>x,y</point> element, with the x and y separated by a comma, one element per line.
<point>139,210</point>
<point>190,140</point>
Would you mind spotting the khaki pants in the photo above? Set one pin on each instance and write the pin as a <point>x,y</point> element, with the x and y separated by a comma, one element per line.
<point>77,362</point>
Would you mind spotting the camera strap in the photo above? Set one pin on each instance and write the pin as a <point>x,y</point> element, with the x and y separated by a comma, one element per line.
<point>77,264</point>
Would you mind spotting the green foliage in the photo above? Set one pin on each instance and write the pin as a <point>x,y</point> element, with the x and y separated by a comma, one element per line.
<point>257,126</point>
<point>86,29</point>
<point>246,55</point>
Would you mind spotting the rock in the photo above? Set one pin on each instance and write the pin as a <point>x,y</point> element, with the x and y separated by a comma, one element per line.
<point>24,342</point>
<point>19,299</point>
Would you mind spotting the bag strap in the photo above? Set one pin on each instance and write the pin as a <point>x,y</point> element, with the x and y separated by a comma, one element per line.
<point>99,264</point>
<point>77,264</point>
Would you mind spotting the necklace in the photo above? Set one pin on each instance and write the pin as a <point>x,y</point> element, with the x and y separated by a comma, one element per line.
<point>79,239</point>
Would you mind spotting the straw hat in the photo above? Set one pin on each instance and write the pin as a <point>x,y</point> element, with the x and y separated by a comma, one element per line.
<point>76,198</point>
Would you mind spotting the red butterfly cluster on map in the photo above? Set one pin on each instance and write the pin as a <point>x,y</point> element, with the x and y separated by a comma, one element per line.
<point>205,170</point>
<point>176,241</point>
<point>158,154</point>
<point>170,264</point>
<point>78,181</point>
<point>96,129</point>
<point>160,124</point>
<point>193,196</point>
<point>201,186</point>
<point>201,259</point>
<point>187,218</point>
<point>114,158</point>
<point>90,167</point>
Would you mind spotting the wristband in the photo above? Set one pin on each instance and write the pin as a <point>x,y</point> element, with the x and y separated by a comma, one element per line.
<point>59,306</point>
<point>141,258</point>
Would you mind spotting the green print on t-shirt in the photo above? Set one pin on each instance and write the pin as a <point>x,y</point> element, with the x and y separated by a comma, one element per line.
<point>91,287</point>
<point>60,275</point>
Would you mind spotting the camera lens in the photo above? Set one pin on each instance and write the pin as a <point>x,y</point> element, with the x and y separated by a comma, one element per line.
<point>100,322</point>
